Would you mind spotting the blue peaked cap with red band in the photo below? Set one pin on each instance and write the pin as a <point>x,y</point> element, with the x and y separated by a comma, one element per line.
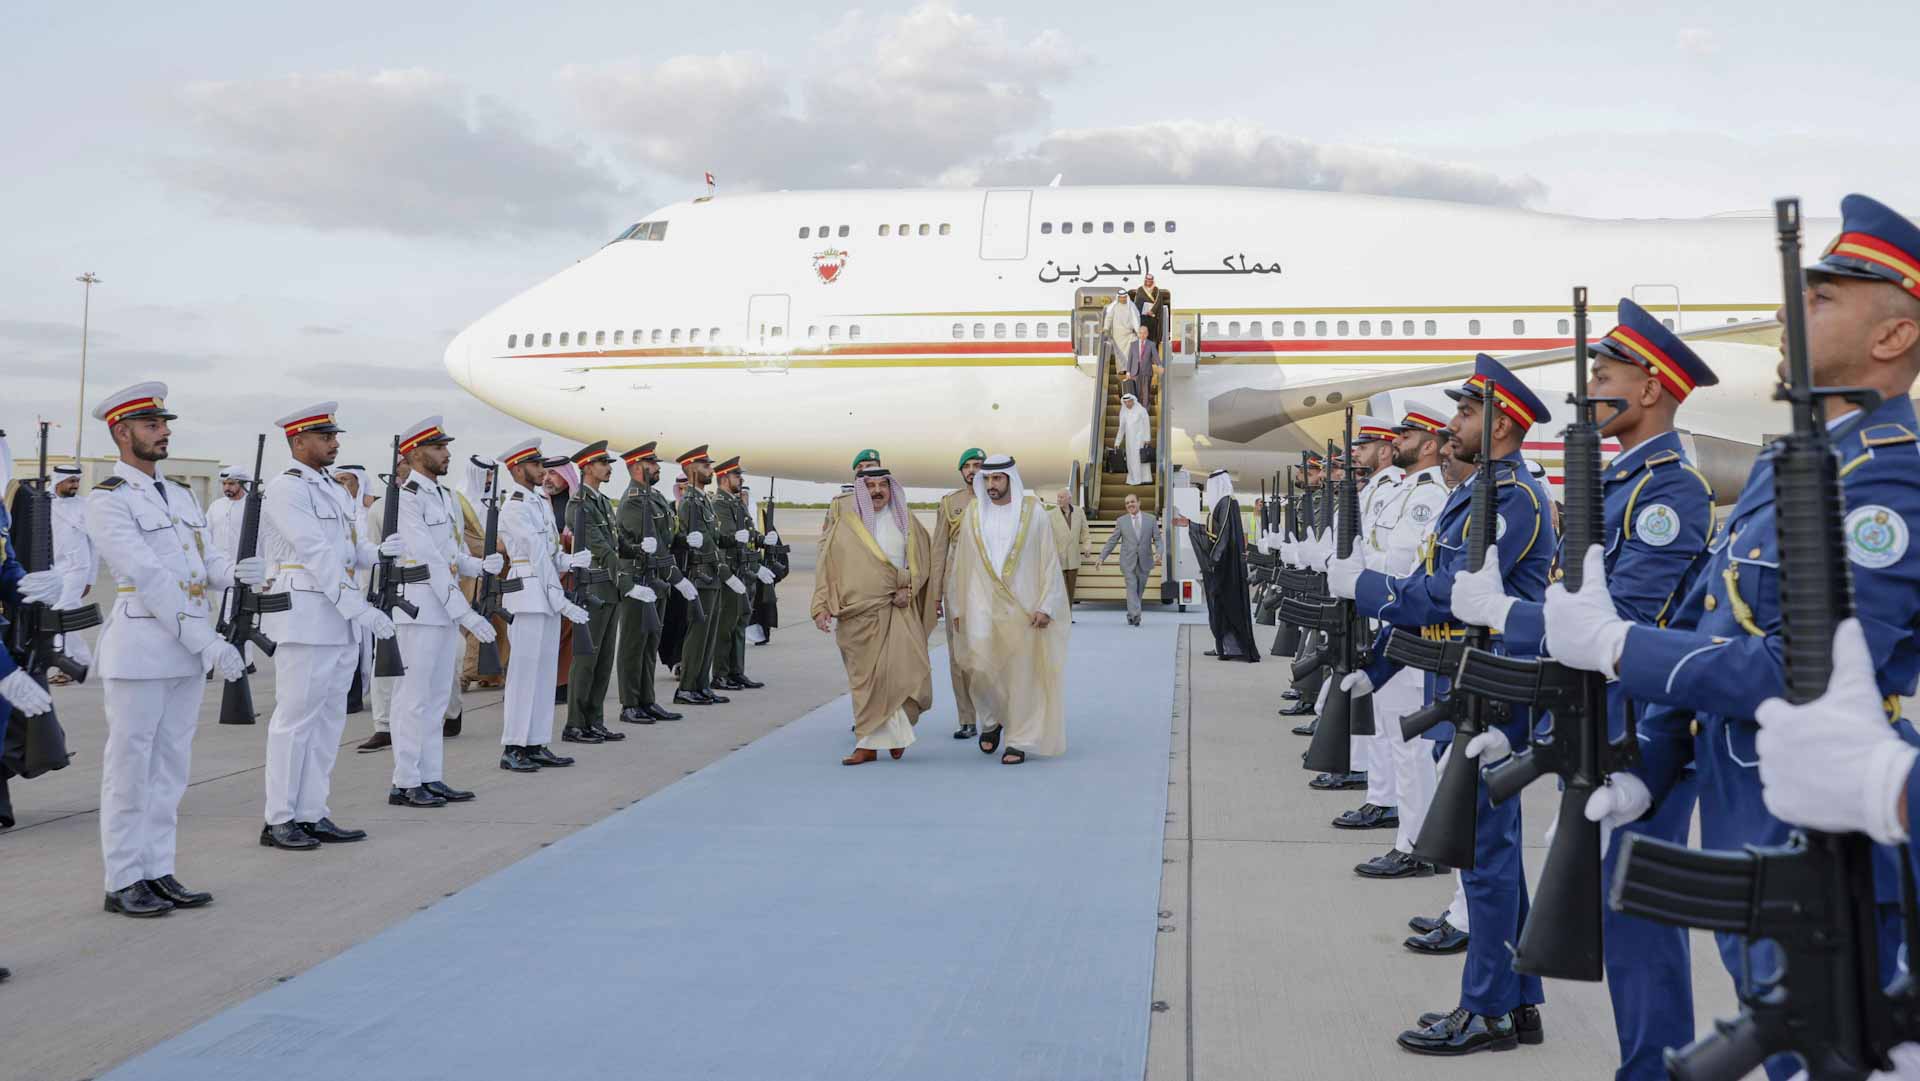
<point>1645,342</point>
<point>1511,395</point>
<point>1876,243</point>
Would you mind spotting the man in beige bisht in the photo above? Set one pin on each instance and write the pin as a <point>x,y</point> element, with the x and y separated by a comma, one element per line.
<point>1069,536</point>
<point>1011,633</point>
<point>872,589</point>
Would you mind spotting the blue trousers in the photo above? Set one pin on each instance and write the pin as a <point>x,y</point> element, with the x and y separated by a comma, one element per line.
<point>1649,966</point>
<point>1496,908</point>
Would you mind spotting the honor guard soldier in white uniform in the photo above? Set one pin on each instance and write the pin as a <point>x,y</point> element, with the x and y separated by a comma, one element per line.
<point>311,537</point>
<point>430,531</point>
<point>1373,451</point>
<point>156,649</point>
<point>538,604</point>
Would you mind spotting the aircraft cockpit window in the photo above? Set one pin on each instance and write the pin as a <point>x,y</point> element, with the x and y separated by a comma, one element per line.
<point>979,330</point>
<point>1147,226</point>
<point>1473,326</point>
<point>925,228</point>
<point>512,340</point>
<point>885,229</point>
<point>1171,227</point>
<point>959,331</point>
<point>946,228</point>
<point>1126,227</point>
<point>1046,228</point>
<point>843,230</point>
<point>806,232</point>
<point>1519,326</point>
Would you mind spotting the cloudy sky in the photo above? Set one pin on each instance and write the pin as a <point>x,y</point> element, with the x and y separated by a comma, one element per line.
<point>288,204</point>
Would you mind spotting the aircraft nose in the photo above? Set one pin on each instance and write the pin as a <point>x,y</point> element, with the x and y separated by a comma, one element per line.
<point>458,363</point>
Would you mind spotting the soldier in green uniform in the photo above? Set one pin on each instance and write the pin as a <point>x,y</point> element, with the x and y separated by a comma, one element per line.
<point>596,582</point>
<point>647,528</point>
<point>699,528</point>
<point>740,557</point>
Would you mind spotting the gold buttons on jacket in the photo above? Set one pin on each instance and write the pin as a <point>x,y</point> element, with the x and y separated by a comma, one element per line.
<point>1712,602</point>
<point>1755,554</point>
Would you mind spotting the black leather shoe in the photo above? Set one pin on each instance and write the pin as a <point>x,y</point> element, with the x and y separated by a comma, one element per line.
<point>1336,782</point>
<point>1462,1032</point>
<point>1442,940</point>
<point>716,699</point>
<point>540,756</point>
<point>1305,728</point>
<point>1423,924</point>
<point>607,735</point>
<point>1398,864</point>
<point>287,835</point>
<point>1290,695</point>
<point>742,683</point>
<point>379,741</point>
<point>514,759</point>
<point>966,731</point>
<point>1528,1026</point>
<point>1368,816</point>
<point>730,683</point>
<point>417,796</point>
<point>328,833</point>
<point>691,698</point>
<point>578,735</point>
<point>451,726</point>
<point>169,889</point>
<point>447,792</point>
<point>636,715</point>
<point>138,901</point>
<point>659,714</point>
<point>1299,709</point>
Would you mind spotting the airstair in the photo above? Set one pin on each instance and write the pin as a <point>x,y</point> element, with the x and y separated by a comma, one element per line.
<point>1104,494</point>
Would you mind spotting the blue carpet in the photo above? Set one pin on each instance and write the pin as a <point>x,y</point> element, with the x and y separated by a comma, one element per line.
<point>779,917</point>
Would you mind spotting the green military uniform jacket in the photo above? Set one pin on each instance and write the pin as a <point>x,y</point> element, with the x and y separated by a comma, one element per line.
<point>644,513</point>
<point>595,534</point>
<point>697,516</point>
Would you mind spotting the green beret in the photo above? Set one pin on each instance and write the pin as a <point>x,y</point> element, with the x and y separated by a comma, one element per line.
<point>868,455</point>
<point>971,454</point>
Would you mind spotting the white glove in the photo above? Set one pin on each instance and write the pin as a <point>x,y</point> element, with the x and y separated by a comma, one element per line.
<point>772,538</point>
<point>573,613</point>
<point>1835,764</point>
<point>1357,684</point>
<point>76,647</point>
<point>492,563</point>
<point>736,584</point>
<point>740,536</point>
<point>765,575</point>
<point>642,593</point>
<point>1343,575</point>
<point>649,545</point>
<point>1313,554</point>
<point>23,694</point>
<point>477,626</point>
<point>374,622</point>
<point>1479,598</point>
<point>696,539</point>
<point>41,587</point>
<point>393,547</point>
<point>686,588</point>
<point>1583,631</point>
<point>1622,801</point>
<point>251,571</point>
<point>221,657</point>
<point>1906,1064</point>
<point>579,559</point>
<point>1290,553</point>
<point>1489,746</point>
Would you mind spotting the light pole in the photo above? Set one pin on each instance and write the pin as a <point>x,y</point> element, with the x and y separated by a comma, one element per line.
<point>89,280</point>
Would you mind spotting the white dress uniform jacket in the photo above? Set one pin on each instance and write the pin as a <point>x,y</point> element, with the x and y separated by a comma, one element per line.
<point>430,527</point>
<point>167,575</point>
<point>533,551</point>
<point>1375,498</point>
<point>1405,518</point>
<point>313,545</point>
<point>223,522</point>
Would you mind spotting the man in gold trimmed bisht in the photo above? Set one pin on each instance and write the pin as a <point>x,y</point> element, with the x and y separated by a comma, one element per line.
<point>1012,615</point>
<point>873,591</point>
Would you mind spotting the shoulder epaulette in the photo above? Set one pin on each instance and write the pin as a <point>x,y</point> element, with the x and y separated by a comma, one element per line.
<point>1425,478</point>
<point>111,483</point>
<point>413,486</point>
<point>1887,435</point>
<point>516,497</point>
<point>291,473</point>
<point>181,483</point>
<point>1663,458</point>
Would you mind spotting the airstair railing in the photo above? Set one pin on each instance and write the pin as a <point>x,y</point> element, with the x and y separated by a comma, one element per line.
<point>1096,424</point>
<point>1163,459</point>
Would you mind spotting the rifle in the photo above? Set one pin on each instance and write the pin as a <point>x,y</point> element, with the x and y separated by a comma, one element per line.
<point>582,636</point>
<point>1286,641</point>
<point>36,745</point>
<point>1448,835</point>
<point>1813,896</point>
<point>241,625</point>
<point>1345,715</point>
<point>490,594</point>
<point>384,585</point>
<point>777,557</point>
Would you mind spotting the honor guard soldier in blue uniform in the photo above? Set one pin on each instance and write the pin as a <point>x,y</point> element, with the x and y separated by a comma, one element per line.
<point>1497,1007</point>
<point>1659,516</point>
<point>1720,655</point>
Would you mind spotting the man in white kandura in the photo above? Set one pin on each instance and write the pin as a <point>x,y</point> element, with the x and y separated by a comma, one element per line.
<point>308,531</point>
<point>1135,432</point>
<point>538,604</point>
<point>1011,630</point>
<point>74,559</point>
<point>430,528</point>
<point>156,649</point>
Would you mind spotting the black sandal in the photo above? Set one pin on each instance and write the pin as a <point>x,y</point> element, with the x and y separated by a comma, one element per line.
<point>990,742</point>
<point>1013,757</point>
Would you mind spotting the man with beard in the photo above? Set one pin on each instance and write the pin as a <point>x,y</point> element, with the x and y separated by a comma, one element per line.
<point>592,673</point>
<point>698,525</point>
<point>873,593</point>
<point>647,525</point>
<point>1013,616</point>
<point>74,559</point>
<point>953,510</point>
<point>740,562</point>
<point>538,607</point>
<point>1221,547</point>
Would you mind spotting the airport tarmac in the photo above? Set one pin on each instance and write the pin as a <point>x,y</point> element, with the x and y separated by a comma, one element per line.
<point>1268,958</point>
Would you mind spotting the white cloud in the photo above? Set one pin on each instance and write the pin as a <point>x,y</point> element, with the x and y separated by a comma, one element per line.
<point>407,152</point>
<point>1698,41</point>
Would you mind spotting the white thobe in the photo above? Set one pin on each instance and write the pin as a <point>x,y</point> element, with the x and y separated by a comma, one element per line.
<point>1133,435</point>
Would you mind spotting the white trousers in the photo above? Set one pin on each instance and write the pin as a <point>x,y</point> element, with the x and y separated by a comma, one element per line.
<point>1410,762</point>
<point>150,726</point>
<point>303,738</point>
<point>527,707</point>
<point>380,698</point>
<point>420,702</point>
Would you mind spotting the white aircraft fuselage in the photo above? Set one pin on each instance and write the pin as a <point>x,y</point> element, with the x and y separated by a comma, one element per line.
<point>794,328</point>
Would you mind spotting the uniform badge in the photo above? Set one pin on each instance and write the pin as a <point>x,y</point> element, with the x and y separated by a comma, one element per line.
<point>1499,528</point>
<point>1421,513</point>
<point>1876,537</point>
<point>1657,525</point>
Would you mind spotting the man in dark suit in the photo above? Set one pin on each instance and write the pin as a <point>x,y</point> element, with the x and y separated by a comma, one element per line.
<point>1142,364</point>
<point>1150,300</point>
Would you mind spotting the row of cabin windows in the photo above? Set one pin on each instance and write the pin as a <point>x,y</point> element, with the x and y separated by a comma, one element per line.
<point>1040,330</point>
<point>1345,328</point>
<point>833,332</point>
<point>1046,227</point>
<point>903,229</point>
<point>600,338</point>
